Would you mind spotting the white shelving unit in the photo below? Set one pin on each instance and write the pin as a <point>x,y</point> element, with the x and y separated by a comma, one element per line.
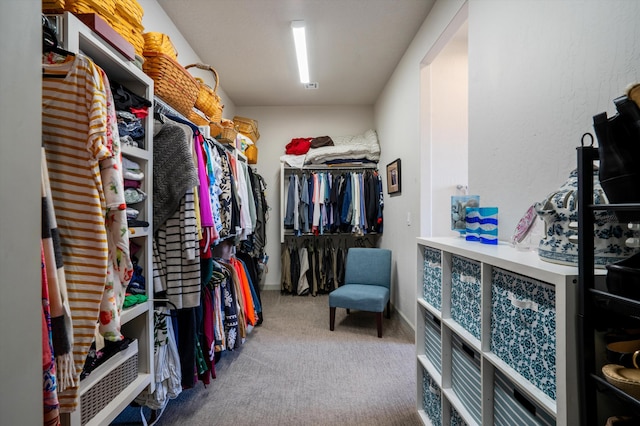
<point>114,385</point>
<point>468,295</point>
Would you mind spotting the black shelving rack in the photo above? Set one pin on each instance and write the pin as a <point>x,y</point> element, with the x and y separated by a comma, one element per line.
<point>592,302</point>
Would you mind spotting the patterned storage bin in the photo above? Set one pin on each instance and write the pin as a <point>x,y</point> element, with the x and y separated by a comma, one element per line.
<point>432,340</point>
<point>523,327</point>
<point>432,277</point>
<point>431,399</point>
<point>465,377</point>
<point>456,419</point>
<point>510,407</point>
<point>465,294</point>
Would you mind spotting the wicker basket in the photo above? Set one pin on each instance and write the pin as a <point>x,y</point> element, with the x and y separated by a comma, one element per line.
<point>104,8</point>
<point>228,133</point>
<point>52,6</point>
<point>131,11</point>
<point>197,118</point>
<point>172,82</point>
<point>247,127</point>
<point>627,379</point>
<point>216,129</point>
<point>208,100</point>
<point>159,42</point>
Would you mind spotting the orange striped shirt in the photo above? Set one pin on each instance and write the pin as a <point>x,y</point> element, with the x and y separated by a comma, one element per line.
<point>74,128</point>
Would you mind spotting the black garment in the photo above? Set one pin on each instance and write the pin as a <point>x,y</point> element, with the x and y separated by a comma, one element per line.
<point>186,338</point>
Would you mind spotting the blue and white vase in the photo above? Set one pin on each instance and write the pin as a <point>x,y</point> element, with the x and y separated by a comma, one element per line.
<point>482,224</point>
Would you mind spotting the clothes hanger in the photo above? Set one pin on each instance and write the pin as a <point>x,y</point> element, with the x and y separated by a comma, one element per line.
<point>50,45</point>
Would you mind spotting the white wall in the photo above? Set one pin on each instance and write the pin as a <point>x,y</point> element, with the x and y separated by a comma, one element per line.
<point>278,125</point>
<point>397,117</point>
<point>20,203</point>
<point>538,72</point>
<point>449,125</point>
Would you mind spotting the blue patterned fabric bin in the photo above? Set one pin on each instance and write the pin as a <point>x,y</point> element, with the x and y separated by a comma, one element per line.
<point>456,419</point>
<point>432,340</point>
<point>465,294</point>
<point>465,377</point>
<point>510,407</point>
<point>432,277</point>
<point>431,399</point>
<point>523,327</point>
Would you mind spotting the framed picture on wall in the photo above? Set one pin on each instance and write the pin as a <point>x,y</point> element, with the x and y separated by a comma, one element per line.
<point>393,177</point>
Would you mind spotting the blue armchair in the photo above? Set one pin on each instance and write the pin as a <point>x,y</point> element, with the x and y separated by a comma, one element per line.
<point>367,282</point>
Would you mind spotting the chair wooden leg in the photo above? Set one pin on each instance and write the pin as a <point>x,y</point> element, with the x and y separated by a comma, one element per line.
<point>379,321</point>
<point>389,309</point>
<point>332,318</point>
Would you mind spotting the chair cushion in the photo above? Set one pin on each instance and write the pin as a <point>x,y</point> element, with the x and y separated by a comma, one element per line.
<point>368,266</point>
<point>372,298</point>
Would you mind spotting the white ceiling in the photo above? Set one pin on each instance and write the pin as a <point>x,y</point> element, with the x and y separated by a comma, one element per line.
<point>354,46</point>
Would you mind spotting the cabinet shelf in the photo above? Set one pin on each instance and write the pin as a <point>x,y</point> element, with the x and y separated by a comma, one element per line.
<point>540,380</point>
<point>124,376</point>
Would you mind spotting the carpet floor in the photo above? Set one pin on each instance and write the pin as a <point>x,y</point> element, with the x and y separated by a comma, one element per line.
<point>292,370</point>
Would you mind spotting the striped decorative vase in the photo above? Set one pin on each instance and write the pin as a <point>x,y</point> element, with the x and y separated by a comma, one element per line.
<point>482,224</point>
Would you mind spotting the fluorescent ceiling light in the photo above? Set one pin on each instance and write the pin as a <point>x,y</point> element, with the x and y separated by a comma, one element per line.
<point>301,49</point>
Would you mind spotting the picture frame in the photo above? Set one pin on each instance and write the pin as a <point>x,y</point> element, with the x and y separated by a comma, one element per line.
<point>394,180</point>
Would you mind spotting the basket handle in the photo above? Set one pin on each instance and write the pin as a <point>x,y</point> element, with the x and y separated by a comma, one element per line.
<point>206,68</point>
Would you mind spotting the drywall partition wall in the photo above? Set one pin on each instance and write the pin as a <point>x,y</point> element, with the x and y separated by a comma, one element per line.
<point>397,117</point>
<point>156,19</point>
<point>278,125</point>
<point>538,72</point>
<point>20,203</point>
<point>448,130</point>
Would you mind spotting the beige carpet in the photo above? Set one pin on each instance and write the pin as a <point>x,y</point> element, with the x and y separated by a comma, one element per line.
<point>293,371</point>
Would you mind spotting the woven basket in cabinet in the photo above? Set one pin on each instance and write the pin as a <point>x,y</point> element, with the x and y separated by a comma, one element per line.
<point>159,42</point>
<point>208,100</point>
<point>248,127</point>
<point>172,82</point>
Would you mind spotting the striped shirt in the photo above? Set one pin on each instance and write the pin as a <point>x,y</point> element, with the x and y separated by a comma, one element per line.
<point>176,268</point>
<point>74,137</point>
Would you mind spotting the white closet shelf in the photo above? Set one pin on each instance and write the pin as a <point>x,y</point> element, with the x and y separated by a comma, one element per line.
<point>137,232</point>
<point>136,152</point>
<point>134,312</point>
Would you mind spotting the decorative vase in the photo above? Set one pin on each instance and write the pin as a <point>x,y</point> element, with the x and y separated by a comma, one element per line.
<point>559,213</point>
<point>482,224</point>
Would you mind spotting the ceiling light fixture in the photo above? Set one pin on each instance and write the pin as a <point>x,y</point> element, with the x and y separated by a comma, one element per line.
<point>301,50</point>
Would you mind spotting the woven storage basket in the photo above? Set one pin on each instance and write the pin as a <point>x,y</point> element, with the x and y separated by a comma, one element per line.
<point>131,11</point>
<point>247,127</point>
<point>159,42</point>
<point>52,6</point>
<point>172,82</point>
<point>627,379</point>
<point>208,100</point>
<point>197,118</point>
<point>216,129</point>
<point>104,8</point>
<point>228,133</point>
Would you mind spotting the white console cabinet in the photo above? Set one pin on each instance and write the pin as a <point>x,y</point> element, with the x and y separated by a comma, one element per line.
<point>495,336</point>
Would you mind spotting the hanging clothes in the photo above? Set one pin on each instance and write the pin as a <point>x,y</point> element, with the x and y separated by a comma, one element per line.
<point>73,158</point>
